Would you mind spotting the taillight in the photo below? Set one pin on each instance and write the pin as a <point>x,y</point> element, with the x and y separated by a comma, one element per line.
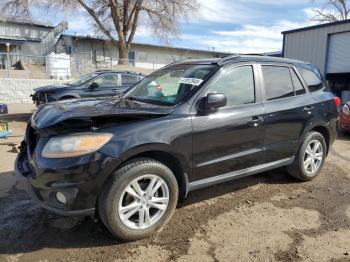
<point>337,101</point>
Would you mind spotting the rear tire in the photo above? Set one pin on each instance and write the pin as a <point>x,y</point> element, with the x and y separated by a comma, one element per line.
<point>139,199</point>
<point>310,157</point>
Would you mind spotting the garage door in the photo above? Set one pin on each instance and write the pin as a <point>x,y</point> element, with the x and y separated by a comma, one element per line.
<point>339,53</point>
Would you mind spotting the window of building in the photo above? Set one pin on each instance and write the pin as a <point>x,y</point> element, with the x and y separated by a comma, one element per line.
<point>278,82</point>
<point>237,85</point>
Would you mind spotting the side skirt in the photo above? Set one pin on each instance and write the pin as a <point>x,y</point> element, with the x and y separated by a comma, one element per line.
<point>238,174</point>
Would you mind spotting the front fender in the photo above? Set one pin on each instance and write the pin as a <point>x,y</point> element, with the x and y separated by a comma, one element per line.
<point>147,148</point>
<point>185,164</point>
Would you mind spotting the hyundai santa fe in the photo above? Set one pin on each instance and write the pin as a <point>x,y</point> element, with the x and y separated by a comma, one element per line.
<point>189,125</point>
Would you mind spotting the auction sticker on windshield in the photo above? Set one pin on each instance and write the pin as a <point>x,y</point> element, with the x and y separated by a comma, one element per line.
<point>190,81</point>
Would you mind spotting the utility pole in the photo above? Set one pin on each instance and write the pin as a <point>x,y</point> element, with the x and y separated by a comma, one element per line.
<point>8,59</point>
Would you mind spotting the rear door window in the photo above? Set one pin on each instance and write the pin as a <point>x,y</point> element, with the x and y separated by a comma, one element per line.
<point>107,80</point>
<point>128,80</point>
<point>313,80</point>
<point>278,82</point>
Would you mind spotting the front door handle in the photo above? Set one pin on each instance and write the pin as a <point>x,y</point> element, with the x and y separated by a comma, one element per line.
<point>256,121</point>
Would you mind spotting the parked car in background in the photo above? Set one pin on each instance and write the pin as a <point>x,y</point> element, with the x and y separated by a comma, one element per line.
<point>344,117</point>
<point>96,84</point>
<point>187,126</point>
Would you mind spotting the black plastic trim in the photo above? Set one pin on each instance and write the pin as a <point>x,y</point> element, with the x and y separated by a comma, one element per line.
<point>238,174</point>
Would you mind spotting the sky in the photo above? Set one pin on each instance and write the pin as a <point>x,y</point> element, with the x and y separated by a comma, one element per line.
<point>236,26</point>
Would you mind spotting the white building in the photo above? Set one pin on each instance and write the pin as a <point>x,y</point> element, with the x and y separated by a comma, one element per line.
<point>95,51</point>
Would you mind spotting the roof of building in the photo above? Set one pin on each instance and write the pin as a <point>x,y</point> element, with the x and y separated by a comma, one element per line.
<point>30,22</point>
<point>80,37</point>
<point>317,26</point>
<point>17,39</point>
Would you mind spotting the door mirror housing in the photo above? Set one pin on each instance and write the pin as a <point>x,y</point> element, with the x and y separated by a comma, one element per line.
<point>212,101</point>
<point>93,86</point>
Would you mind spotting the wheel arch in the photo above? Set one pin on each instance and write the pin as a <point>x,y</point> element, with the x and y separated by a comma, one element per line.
<point>323,130</point>
<point>325,133</point>
<point>176,162</point>
<point>173,163</point>
<point>68,96</point>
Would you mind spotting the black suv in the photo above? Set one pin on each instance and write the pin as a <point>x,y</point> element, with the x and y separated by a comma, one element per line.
<point>96,84</point>
<point>187,126</point>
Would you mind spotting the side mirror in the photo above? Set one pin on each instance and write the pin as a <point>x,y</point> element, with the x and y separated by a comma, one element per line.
<point>212,101</point>
<point>93,85</point>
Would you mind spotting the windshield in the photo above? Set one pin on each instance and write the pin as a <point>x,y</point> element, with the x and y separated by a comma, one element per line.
<point>170,85</point>
<point>83,79</point>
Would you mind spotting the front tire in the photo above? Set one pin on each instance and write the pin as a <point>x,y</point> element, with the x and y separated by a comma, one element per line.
<point>139,199</point>
<point>310,158</point>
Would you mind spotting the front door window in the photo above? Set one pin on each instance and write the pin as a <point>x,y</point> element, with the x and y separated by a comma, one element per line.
<point>237,85</point>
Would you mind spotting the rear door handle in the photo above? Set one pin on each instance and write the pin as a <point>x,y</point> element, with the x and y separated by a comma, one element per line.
<point>308,108</point>
<point>115,90</point>
<point>256,121</point>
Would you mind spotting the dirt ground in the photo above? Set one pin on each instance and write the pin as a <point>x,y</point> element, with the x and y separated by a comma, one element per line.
<point>266,217</point>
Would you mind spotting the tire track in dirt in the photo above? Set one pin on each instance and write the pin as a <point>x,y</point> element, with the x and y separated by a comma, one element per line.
<point>36,234</point>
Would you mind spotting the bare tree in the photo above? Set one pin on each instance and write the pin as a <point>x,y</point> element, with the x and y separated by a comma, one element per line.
<point>118,19</point>
<point>332,11</point>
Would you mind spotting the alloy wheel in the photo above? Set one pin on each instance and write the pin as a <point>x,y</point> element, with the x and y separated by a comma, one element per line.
<point>313,157</point>
<point>143,202</point>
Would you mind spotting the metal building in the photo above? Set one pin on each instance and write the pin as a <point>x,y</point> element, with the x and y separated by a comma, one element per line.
<point>325,45</point>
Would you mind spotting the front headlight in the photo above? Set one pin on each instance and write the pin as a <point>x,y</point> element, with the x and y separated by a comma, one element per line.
<point>346,110</point>
<point>75,145</point>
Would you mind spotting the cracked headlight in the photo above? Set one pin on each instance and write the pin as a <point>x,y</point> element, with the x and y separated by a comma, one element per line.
<point>75,145</point>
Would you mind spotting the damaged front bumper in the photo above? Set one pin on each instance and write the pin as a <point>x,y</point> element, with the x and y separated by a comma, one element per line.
<point>46,195</point>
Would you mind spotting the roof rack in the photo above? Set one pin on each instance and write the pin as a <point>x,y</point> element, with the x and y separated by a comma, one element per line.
<point>227,58</point>
<point>119,71</point>
<point>254,54</point>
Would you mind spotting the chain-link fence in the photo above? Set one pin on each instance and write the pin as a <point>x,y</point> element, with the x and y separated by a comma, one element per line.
<point>62,66</point>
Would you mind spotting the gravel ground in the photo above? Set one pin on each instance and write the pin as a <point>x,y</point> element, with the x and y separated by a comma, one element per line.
<point>266,217</point>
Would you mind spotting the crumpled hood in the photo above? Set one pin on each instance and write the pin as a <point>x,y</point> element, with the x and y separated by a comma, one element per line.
<point>52,113</point>
<point>49,88</point>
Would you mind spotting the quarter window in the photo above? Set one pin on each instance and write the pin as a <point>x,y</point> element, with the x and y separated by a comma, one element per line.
<point>312,79</point>
<point>237,85</point>
<point>298,86</point>
<point>278,82</point>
